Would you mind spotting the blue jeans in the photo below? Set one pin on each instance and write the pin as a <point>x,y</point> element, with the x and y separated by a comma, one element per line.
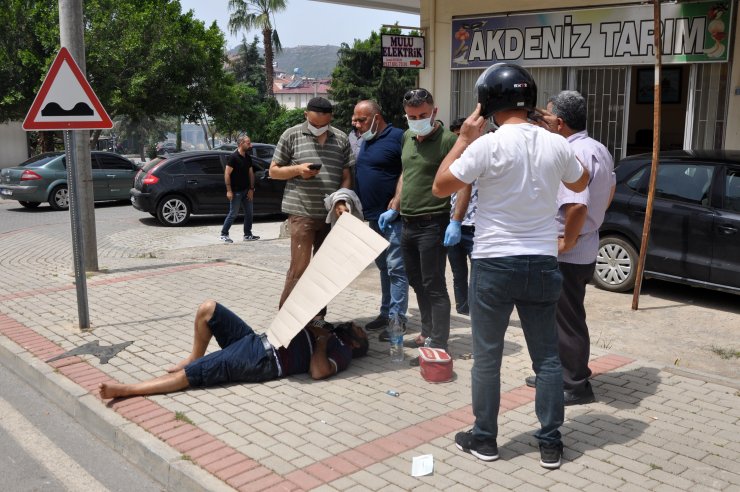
<point>532,284</point>
<point>239,200</point>
<point>242,358</point>
<point>458,256</point>
<point>425,259</point>
<point>393,283</point>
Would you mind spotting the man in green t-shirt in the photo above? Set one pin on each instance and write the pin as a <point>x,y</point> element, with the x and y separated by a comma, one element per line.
<point>427,228</point>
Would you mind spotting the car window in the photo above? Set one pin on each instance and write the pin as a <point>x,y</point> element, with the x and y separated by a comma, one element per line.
<point>636,181</point>
<point>732,190</point>
<point>264,152</point>
<point>39,160</point>
<point>150,165</point>
<point>207,165</point>
<point>115,163</point>
<point>686,182</point>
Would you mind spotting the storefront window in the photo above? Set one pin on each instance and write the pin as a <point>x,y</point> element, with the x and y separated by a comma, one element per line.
<point>709,101</point>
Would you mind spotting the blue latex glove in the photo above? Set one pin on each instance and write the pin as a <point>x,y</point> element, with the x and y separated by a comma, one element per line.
<point>385,219</point>
<point>453,233</point>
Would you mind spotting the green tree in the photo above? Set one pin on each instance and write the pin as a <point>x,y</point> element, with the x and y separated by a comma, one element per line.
<point>286,119</point>
<point>360,75</point>
<point>258,14</point>
<point>144,58</point>
<point>249,65</point>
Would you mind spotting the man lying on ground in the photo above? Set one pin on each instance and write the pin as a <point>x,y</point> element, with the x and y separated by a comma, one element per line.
<point>247,357</point>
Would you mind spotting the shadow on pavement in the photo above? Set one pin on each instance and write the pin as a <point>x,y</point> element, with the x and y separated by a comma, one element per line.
<point>625,390</point>
<point>686,295</point>
<point>582,433</point>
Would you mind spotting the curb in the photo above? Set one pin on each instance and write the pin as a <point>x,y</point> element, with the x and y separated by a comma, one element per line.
<point>151,455</point>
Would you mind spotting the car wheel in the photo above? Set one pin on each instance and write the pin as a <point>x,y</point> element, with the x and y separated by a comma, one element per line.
<point>59,198</point>
<point>616,264</point>
<point>173,211</point>
<point>29,204</point>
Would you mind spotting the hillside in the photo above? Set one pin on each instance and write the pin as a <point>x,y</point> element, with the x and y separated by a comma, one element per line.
<point>314,61</point>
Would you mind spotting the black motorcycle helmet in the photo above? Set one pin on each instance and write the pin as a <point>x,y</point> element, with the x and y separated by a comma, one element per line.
<point>505,86</point>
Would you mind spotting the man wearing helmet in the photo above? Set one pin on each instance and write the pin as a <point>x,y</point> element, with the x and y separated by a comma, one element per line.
<point>519,169</point>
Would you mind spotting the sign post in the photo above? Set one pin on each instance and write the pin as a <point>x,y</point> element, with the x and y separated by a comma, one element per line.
<point>78,252</point>
<point>67,102</point>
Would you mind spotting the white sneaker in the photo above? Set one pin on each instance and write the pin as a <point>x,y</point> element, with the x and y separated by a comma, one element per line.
<point>225,239</point>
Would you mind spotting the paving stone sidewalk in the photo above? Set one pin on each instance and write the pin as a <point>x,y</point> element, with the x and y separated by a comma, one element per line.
<point>649,430</point>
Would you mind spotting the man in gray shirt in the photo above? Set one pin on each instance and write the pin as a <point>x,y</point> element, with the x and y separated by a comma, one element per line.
<point>315,159</point>
<point>579,217</point>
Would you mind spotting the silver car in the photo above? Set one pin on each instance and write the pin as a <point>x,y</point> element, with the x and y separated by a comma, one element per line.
<point>43,178</point>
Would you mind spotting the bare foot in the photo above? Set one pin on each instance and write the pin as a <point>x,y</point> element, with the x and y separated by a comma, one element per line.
<point>181,364</point>
<point>111,390</point>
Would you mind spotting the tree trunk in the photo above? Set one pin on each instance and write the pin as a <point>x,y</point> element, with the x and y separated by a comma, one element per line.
<point>46,140</point>
<point>269,72</point>
<point>178,136</point>
<point>94,137</point>
<point>204,126</point>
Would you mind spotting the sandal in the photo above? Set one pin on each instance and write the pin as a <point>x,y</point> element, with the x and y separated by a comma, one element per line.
<point>420,340</point>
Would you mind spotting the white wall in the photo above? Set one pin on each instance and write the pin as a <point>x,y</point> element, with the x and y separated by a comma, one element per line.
<point>13,144</point>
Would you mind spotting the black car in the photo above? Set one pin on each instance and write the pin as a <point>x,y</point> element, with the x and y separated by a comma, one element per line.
<point>174,187</point>
<point>695,227</point>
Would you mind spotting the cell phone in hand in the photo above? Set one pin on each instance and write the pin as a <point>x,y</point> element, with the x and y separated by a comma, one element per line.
<point>315,166</point>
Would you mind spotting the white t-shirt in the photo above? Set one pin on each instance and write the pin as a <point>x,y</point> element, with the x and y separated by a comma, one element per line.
<point>519,169</point>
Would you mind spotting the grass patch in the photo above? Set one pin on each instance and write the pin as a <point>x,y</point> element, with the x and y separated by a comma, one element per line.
<point>186,457</point>
<point>725,353</point>
<point>182,417</point>
<point>653,466</point>
<point>146,255</point>
<point>603,342</point>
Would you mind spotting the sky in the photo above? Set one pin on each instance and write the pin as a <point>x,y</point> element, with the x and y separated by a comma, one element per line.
<point>305,22</point>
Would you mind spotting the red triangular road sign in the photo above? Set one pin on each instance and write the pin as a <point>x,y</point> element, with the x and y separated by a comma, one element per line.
<point>65,100</point>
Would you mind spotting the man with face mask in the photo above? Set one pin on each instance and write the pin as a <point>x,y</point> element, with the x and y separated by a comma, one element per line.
<point>315,159</point>
<point>426,225</point>
<point>377,171</point>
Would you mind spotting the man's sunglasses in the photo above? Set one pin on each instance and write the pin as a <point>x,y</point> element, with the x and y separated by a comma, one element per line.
<point>421,94</point>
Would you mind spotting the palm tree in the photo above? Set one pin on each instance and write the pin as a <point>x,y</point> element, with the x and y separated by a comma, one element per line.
<point>257,14</point>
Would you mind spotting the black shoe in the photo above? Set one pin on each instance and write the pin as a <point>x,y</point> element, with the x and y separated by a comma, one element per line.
<point>483,450</point>
<point>414,361</point>
<point>379,323</point>
<point>580,397</point>
<point>531,381</point>
<point>550,455</point>
<point>251,237</point>
<point>384,337</point>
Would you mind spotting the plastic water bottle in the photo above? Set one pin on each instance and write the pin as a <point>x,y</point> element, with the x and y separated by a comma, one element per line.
<point>428,341</point>
<point>395,336</point>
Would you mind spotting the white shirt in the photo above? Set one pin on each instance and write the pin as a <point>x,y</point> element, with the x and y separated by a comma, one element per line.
<point>519,169</point>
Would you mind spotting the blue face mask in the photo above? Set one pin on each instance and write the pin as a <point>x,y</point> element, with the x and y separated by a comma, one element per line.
<point>369,134</point>
<point>421,127</point>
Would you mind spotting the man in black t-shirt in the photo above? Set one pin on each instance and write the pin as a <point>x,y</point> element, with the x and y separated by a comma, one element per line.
<point>239,178</point>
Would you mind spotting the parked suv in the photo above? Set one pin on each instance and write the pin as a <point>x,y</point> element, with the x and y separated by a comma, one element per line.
<point>172,188</point>
<point>695,227</point>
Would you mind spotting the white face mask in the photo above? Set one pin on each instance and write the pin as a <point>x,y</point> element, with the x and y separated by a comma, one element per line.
<point>421,127</point>
<point>369,134</point>
<point>317,131</point>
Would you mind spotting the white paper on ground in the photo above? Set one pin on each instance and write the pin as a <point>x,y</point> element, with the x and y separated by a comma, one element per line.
<point>347,250</point>
<point>422,465</point>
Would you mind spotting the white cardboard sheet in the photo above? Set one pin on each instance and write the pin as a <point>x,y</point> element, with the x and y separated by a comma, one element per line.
<point>347,250</point>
